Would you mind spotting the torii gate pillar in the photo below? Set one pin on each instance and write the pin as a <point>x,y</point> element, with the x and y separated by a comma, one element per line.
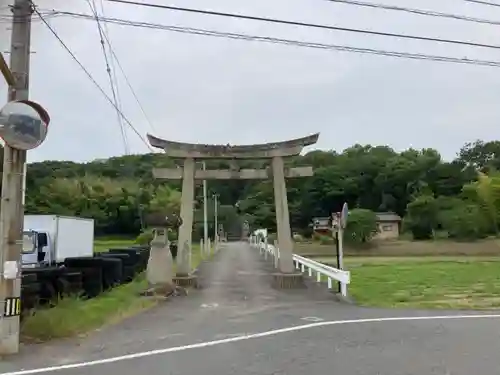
<point>184,242</point>
<point>282,216</point>
<point>287,277</point>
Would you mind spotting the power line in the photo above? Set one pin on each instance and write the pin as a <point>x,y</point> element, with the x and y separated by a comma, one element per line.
<point>483,2</point>
<point>310,25</point>
<point>289,42</point>
<point>90,77</point>
<point>422,12</point>
<point>113,68</point>
<point>129,84</point>
<point>93,8</point>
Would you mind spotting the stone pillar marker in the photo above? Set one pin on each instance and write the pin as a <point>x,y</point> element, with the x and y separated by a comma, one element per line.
<point>275,152</point>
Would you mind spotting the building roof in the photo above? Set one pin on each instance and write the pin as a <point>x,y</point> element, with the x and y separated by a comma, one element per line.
<point>381,217</point>
<point>388,216</point>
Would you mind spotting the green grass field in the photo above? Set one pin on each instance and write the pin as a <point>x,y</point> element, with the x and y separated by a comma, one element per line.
<point>105,244</point>
<point>439,274</point>
<point>73,316</point>
<point>425,282</point>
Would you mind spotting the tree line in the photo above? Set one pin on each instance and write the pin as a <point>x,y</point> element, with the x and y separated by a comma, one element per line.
<point>461,196</point>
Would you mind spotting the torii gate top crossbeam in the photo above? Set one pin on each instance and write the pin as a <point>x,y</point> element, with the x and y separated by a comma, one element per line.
<point>256,151</point>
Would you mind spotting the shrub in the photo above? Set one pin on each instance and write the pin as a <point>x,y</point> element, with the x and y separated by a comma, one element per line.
<point>306,232</point>
<point>146,237</point>
<point>361,226</point>
<point>465,222</point>
<point>422,217</point>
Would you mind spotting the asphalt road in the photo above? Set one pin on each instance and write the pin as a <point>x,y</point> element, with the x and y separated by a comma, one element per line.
<point>237,324</point>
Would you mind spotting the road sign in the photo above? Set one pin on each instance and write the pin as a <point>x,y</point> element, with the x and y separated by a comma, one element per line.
<point>343,216</point>
<point>23,124</point>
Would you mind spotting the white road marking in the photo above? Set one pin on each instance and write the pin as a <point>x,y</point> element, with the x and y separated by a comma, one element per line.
<point>209,305</point>
<point>227,335</point>
<point>242,338</point>
<point>312,319</point>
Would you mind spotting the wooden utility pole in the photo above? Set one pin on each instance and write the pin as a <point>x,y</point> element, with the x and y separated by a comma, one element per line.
<point>12,208</point>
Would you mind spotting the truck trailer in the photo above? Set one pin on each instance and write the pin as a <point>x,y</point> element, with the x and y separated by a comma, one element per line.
<point>49,240</point>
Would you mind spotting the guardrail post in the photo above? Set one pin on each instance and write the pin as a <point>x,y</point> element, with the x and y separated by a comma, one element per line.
<point>343,286</point>
<point>266,248</point>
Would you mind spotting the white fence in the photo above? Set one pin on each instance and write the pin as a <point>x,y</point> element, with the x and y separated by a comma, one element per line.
<point>313,268</point>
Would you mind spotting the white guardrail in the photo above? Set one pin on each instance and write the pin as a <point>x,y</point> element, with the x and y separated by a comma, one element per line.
<point>310,266</point>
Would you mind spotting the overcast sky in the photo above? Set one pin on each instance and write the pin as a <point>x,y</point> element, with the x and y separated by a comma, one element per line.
<point>213,90</point>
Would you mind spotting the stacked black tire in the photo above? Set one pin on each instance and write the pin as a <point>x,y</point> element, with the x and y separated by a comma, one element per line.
<point>30,291</point>
<point>84,277</point>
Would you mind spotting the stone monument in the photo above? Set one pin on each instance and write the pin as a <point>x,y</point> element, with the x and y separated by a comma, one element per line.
<point>159,271</point>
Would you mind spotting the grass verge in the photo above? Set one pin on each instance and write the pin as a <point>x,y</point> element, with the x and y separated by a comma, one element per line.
<point>73,316</point>
<point>442,283</point>
<point>106,244</point>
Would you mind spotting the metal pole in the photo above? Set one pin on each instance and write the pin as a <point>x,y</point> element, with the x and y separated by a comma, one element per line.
<point>215,218</point>
<point>25,171</point>
<point>12,208</point>
<point>205,215</point>
<point>337,248</point>
<point>343,288</point>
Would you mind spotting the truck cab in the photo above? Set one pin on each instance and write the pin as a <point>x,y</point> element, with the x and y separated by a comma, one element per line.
<point>36,250</point>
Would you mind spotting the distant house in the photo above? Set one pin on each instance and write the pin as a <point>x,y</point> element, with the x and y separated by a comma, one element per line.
<point>388,225</point>
<point>322,225</point>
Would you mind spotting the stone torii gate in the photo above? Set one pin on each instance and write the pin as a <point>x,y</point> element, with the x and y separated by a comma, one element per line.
<point>190,152</point>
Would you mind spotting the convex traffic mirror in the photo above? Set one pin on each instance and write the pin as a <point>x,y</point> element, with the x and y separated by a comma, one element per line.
<point>23,124</point>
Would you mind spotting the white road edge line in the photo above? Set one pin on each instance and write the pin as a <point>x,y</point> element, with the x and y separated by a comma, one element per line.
<point>242,338</point>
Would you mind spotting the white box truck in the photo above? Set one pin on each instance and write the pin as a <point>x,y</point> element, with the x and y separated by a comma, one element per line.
<point>50,239</point>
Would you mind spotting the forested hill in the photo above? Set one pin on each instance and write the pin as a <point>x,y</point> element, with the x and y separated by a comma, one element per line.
<point>115,191</point>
